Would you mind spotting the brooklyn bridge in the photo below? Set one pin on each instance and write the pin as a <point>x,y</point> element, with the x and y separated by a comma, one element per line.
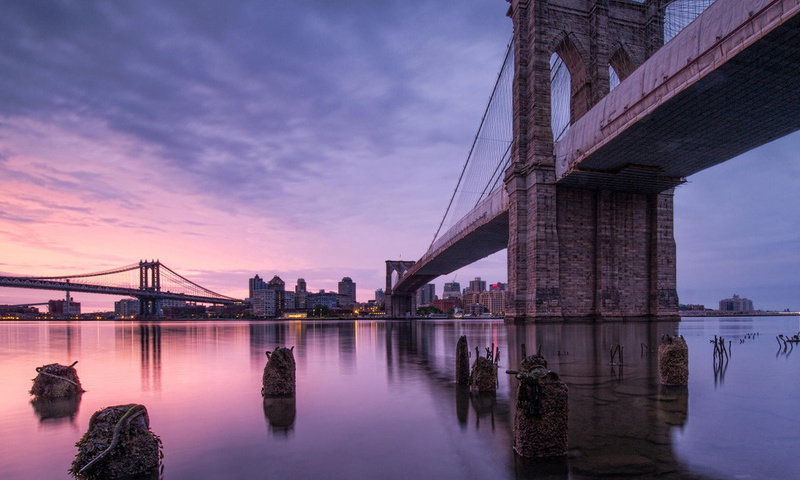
<point>601,110</point>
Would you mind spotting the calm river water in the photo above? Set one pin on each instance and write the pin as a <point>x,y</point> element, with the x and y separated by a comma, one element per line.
<point>377,399</point>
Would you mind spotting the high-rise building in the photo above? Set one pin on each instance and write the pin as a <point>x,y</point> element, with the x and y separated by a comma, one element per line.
<point>126,307</point>
<point>498,287</point>
<point>477,285</point>
<point>300,294</point>
<point>452,290</point>
<point>265,302</point>
<point>380,297</point>
<point>736,304</point>
<point>494,301</point>
<point>347,288</point>
<point>256,283</point>
<point>426,295</point>
<point>279,287</point>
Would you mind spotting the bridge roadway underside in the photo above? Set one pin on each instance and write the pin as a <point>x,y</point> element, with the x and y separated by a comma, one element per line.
<point>713,112</point>
<point>485,239</point>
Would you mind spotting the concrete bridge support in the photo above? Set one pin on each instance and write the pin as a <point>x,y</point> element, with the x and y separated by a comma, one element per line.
<point>399,304</point>
<point>573,253</point>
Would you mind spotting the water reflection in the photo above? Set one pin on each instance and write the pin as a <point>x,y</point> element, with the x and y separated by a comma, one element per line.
<point>380,397</point>
<point>280,413</point>
<point>56,410</point>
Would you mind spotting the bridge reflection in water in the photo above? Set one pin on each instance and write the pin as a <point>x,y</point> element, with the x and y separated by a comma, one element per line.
<point>378,398</point>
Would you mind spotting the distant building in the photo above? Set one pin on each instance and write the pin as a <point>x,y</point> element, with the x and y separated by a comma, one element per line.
<point>323,298</point>
<point>256,283</point>
<point>126,307</point>
<point>498,287</point>
<point>477,285</point>
<point>736,304</point>
<point>447,304</point>
<point>265,302</point>
<point>380,297</point>
<point>64,307</point>
<point>300,294</point>
<point>452,290</point>
<point>470,298</point>
<point>347,289</point>
<point>426,295</point>
<point>494,301</point>
<point>279,287</point>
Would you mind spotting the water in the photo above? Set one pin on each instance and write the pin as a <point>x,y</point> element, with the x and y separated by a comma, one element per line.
<point>377,400</point>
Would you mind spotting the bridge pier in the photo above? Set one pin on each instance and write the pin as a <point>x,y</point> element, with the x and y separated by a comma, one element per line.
<point>590,255</point>
<point>401,305</point>
<point>585,252</point>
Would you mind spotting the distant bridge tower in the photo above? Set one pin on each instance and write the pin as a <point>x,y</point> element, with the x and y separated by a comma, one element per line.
<point>149,281</point>
<point>575,253</point>
<point>398,305</point>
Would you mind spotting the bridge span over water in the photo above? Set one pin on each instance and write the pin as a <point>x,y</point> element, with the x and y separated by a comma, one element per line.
<point>584,206</point>
<point>149,281</point>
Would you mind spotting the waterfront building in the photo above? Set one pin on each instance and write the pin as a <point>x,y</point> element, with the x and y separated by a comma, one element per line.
<point>736,304</point>
<point>380,297</point>
<point>452,290</point>
<point>64,307</point>
<point>126,307</point>
<point>447,304</point>
<point>323,298</point>
<point>477,285</point>
<point>347,289</point>
<point>279,287</point>
<point>494,301</point>
<point>426,295</point>
<point>300,294</point>
<point>256,283</point>
<point>470,298</point>
<point>265,302</point>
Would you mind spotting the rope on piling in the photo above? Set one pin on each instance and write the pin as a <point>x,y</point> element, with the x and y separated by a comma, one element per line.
<point>129,415</point>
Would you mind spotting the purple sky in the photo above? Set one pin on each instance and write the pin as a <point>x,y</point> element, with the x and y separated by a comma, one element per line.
<point>309,139</point>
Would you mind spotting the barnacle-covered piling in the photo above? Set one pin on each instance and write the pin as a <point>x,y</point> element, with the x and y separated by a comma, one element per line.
<point>540,423</point>
<point>118,444</point>
<point>483,377</point>
<point>673,360</point>
<point>56,381</point>
<point>279,373</point>
<point>462,361</point>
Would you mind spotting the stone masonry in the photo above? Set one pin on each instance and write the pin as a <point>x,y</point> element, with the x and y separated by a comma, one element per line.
<point>573,253</point>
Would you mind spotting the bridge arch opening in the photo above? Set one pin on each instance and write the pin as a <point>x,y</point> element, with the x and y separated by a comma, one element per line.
<point>569,89</point>
<point>620,66</point>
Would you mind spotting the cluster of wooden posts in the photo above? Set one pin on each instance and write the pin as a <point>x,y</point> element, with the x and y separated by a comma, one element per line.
<point>119,443</point>
<point>542,401</point>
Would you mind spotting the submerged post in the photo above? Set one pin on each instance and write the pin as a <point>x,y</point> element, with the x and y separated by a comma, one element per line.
<point>56,381</point>
<point>540,423</point>
<point>462,361</point>
<point>673,361</point>
<point>483,377</point>
<point>279,373</point>
<point>118,444</point>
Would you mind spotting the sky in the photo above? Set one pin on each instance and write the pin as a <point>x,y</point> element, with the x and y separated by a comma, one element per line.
<point>310,138</point>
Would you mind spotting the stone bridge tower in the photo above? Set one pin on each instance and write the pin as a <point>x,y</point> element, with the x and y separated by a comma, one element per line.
<point>582,254</point>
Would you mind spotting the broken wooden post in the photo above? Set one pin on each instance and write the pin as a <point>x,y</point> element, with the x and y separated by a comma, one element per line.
<point>56,381</point>
<point>540,423</point>
<point>118,444</point>
<point>462,361</point>
<point>673,361</point>
<point>483,377</point>
<point>279,373</point>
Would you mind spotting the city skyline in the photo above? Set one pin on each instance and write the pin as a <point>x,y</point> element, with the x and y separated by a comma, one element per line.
<point>310,139</point>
